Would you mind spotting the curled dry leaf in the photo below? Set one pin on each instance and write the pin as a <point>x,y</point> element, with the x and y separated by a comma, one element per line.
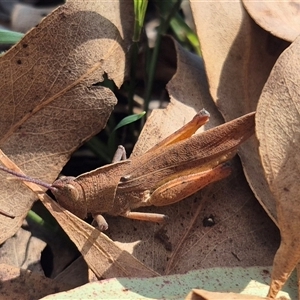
<point>51,102</point>
<point>206,295</point>
<point>280,18</point>
<point>278,123</point>
<point>103,257</point>
<point>238,57</point>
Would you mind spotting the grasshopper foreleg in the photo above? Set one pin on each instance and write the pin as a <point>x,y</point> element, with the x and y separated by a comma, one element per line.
<point>120,154</point>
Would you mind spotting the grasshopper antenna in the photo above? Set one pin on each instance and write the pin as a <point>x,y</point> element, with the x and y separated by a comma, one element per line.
<point>22,177</point>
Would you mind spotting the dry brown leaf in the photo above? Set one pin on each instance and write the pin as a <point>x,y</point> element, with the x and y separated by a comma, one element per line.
<point>76,274</point>
<point>23,250</point>
<point>278,123</point>
<point>103,257</point>
<point>238,57</point>
<point>280,18</point>
<point>60,250</point>
<point>50,103</point>
<point>22,284</point>
<point>240,221</point>
<point>242,234</point>
<point>206,295</point>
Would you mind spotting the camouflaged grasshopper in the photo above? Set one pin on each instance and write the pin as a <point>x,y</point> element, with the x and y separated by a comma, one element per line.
<point>174,169</point>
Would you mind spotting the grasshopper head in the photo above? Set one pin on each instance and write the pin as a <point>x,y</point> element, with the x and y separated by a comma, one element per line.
<point>69,195</point>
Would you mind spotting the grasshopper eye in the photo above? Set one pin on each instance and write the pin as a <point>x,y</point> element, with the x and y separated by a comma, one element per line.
<point>69,194</point>
<point>72,191</point>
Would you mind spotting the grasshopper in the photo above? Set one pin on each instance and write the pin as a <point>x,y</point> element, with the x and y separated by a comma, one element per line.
<point>177,167</point>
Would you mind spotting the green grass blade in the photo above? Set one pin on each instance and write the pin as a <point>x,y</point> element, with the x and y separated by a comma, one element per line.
<point>140,7</point>
<point>129,119</point>
<point>184,33</point>
<point>35,218</point>
<point>8,37</point>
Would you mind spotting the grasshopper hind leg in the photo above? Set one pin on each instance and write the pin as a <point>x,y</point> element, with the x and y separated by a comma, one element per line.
<point>176,190</point>
<point>101,224</point>
<point>143,216</point>
<point>184,186</point>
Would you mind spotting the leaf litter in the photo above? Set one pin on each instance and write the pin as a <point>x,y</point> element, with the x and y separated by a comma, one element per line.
<point>251,225</point>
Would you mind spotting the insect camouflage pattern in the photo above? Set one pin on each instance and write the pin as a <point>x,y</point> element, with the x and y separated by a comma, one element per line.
<point>172,170</point>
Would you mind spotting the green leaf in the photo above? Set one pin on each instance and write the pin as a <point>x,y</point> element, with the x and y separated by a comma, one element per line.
<point>184,33</point>
<point>129,119</point>
<point>247,281</point>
